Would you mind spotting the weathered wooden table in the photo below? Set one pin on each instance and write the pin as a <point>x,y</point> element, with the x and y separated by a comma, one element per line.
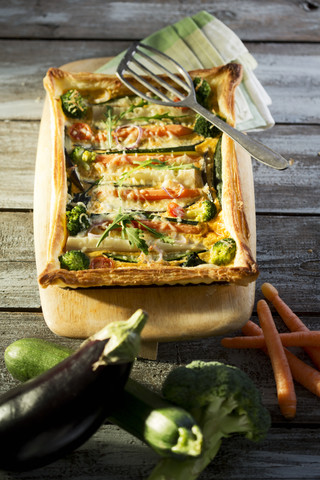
<point>284,36</point>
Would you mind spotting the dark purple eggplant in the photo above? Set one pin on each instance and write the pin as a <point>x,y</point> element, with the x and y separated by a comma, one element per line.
<point>51,415</point>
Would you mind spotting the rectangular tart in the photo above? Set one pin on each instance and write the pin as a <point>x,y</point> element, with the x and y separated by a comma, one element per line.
<point>142,193</point>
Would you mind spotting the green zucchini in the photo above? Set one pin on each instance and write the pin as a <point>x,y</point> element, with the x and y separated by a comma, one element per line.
<point>122,258</point>
<point>172,219</point>
<point>180,149</point>
<point>167,429</point>
<point>29,357</point>
<point>217,159</point>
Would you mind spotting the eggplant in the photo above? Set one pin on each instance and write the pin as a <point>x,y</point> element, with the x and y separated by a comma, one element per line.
<point>49,416</point>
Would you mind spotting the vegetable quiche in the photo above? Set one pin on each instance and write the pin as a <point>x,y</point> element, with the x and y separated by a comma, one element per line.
<point>142,193</point>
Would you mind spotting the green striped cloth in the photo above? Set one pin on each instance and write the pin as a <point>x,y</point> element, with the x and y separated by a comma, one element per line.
<point>203,41</point>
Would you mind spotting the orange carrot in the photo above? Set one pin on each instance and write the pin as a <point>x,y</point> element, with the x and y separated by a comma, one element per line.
<point>302,373</point>
<point>293,322</point>
<point>156,194</point>
<point>281,370</point>
<point>154,130</point>
<point>295,339</point>
<point>166,226</point>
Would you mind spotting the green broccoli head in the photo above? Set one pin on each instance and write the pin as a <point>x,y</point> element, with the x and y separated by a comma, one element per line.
<point>203,91</point>
<point>223,401</point>
<point>77,219</point>
<point>219,396</point>
<point>202,211</point>
<point>206,128</point>
<point>73,104</point>
<point>82,157</point>
<point>192,260</point>
<point>74,260</point>
<point>223,251</point>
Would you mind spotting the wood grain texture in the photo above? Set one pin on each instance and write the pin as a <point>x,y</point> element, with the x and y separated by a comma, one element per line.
<point>287,71</point>
<point>280,20</point>
<point>277,457</point>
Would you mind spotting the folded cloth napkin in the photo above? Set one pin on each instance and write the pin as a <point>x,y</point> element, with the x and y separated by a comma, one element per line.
<point>203,41</point>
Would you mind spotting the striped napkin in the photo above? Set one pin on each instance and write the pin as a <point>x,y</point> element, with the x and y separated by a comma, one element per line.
<point>203,41</point>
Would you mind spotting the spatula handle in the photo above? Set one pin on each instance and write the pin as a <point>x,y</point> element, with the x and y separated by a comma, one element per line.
<point>256,149</point>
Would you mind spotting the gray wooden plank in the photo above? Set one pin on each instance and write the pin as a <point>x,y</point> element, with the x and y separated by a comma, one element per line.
<point>17,158</point>
<point>251,20</point>
<point>289,74</point>
<point>289,191</point>
<point>287,254</point>
<point>287,71</point>
<point>112,454</point>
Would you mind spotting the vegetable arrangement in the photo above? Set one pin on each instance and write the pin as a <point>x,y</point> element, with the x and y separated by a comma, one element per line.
<point>222,399</point>
<point>121,144</point>
<point>168,429</point>
<point>286,366</point>
<point>54,413</point>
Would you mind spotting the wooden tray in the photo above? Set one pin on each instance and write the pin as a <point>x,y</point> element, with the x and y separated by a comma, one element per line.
<point>175,312</point>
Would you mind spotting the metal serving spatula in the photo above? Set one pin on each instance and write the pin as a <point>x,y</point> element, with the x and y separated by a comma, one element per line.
<point>146,64</point>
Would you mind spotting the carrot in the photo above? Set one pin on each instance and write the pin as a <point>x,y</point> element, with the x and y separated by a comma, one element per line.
<point>155,130</point>
<point>281,370</point>
<point>295,339</point>
<point>293,322</point>
<point>302,373</point>
<point>168,227</point>
<point>156,194</point>
<point>118,160</point>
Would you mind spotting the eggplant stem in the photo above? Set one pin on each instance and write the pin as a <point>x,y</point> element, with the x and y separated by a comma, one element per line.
<point>124,339</point>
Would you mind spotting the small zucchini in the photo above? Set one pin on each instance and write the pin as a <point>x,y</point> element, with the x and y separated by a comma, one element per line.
<point>182,149</point>
<point>43,355</point>
<point>167,429</point>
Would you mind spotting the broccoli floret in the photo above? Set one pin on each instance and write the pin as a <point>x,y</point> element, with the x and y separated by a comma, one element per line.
<point>203,91</point>
<point>223,400</point>
<point>82,157</point>
<point>74,260</point>
<point>73,104</point>
<point>205,128</point>
<point>202,212</point>
<point>223,251</point>
<point>192,260</point>
<point>77,219</point>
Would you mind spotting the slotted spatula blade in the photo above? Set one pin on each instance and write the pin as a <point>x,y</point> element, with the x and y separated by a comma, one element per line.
<point>142,61</point>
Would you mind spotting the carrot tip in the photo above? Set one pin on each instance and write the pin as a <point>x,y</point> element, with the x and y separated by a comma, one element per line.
<point>289,412</point>
<point>269,291</point>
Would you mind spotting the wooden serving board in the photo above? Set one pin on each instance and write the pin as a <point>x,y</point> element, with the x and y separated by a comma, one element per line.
<point>175,312</point>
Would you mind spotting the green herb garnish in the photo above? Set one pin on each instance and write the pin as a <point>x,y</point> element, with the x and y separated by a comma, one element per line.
<point>132,234</point>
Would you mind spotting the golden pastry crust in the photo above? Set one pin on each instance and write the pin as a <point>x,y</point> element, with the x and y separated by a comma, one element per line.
<point>223,81</point>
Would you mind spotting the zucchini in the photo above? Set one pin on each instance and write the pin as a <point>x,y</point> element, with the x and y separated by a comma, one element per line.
<point>167,429</point>
<point>217,179</point>
<point>172,219</point>
<point>44,355</point>
<point>181,149</point>
<point>122,258</point>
